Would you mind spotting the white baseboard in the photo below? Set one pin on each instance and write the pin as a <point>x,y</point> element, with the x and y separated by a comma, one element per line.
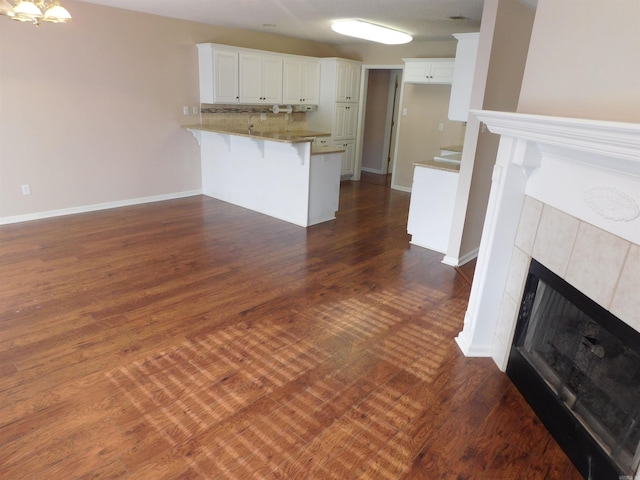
<point>95,207</point>
<point>469,256</point>
<point>458,261</point>
<point>401,188</point>
<point>372,170</point>
<point>470,350</point>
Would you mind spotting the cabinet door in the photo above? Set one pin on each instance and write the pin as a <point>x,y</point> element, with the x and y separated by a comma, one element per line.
<point>271,80</point>
<point>250,78</point>
<point>292,77</point>
<point>351,121</point>
<point>345,121</point>
<point>310,82</point>
<point>441,72</point>
<point>348,157</point>
<point>428,71</point>
<point>225,77</point>
<point>416,72</point>
<point>342,81</point>
<point>354,83</point>
<point>347,81</point>
<point>340,119</point>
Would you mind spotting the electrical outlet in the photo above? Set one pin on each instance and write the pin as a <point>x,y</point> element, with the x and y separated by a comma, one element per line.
<point>26,189</point>
<point>263,117</point>
<point>441,127</point>
<point>404,112</point>
<point>185,110</point>
<point>195,110</point>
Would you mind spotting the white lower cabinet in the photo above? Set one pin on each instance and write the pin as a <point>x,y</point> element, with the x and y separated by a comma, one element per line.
<point>348,157</point>
<point>433,197</point>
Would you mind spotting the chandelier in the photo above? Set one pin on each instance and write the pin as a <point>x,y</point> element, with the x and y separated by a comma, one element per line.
<point>35,11</point>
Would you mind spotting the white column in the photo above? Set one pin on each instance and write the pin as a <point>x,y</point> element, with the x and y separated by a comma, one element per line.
<point>514,162</point>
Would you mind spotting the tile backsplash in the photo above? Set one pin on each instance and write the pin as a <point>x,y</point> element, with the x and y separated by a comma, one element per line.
<point>237,117</point>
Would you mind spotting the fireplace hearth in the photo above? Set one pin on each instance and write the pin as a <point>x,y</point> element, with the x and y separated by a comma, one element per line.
<point>579,368</point>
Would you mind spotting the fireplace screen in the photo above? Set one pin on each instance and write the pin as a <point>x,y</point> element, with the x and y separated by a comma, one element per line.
<point>589,362</point>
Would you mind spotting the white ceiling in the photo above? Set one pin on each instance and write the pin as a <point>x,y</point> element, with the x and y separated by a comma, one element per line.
<point>311,19</point>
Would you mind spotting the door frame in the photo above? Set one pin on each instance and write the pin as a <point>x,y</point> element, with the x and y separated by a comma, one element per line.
<point>364,82</point>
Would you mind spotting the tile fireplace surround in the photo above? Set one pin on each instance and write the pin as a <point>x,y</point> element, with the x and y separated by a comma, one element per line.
<point>567,193</point>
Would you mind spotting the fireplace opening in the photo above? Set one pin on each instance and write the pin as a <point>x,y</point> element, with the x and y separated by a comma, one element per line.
<point>578,366</point>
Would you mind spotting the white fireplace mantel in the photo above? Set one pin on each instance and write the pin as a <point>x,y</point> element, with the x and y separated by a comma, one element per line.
<point>588,169</point>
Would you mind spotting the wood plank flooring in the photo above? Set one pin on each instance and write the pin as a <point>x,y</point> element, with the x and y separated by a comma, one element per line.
<point>192,339</point>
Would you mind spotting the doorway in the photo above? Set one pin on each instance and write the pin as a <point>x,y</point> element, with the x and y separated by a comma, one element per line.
<point>379,112</point>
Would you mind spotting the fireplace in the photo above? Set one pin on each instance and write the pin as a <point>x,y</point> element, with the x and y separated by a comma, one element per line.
<point>565,200</point>
<point>579,368</point>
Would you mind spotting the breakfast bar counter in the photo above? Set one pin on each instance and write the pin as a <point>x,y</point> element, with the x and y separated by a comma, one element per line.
<point>273,173</point>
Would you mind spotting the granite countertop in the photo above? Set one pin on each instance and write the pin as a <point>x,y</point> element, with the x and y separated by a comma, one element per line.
<point>325,150</point>
<point>450,158</point>
<point>446,166</point>
<point>452,148</point>
<point>284,137</point>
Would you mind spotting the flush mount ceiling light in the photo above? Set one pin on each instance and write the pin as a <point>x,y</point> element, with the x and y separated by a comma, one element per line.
<point>35,11</point>
<point>369,31</point>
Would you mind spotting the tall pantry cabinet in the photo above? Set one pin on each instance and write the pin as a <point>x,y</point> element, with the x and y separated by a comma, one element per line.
<point>338,107</point>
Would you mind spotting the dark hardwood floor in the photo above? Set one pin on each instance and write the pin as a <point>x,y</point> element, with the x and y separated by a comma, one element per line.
<point>193,339</point>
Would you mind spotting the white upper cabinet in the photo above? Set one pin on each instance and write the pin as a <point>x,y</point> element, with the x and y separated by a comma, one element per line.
<point>260,78</point>
<point>218,74</point>
<point>463,73</point>
<point>301,81</point>
<point>248,76</point>
<point>347,81</point>
<point>428,70</point>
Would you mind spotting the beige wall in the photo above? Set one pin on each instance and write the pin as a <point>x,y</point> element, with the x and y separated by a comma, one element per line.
<point>584,60</point>
<point>90,112</point>
<point>419,137</point>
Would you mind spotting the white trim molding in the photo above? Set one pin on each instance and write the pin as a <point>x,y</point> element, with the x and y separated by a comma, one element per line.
<point>589,169</point>
<point>95,207</point>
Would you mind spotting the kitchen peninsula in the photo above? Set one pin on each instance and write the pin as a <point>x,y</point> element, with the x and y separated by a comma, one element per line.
<point>274,173</point>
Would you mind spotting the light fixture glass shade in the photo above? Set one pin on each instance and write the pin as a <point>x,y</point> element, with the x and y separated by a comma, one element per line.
<point>6,8</point>
<point>27,9</point>
<point>31,11</point>
<point>369,31</point>
<point>57,14</point>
